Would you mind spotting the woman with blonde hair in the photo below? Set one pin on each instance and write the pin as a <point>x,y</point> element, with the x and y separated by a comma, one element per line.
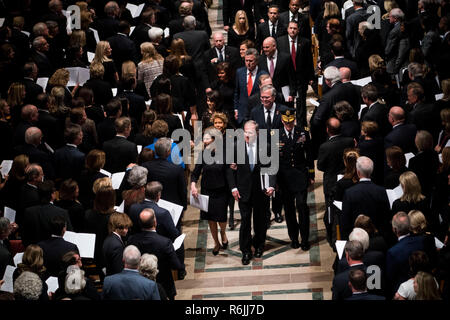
<point>103,53</point>
<point>426,287</point>
<point>187,68</point>
<point>15,100</point>
<point>330,11</point>
<point>419,227</point>
<point>150,66</point>
<point>57,106</point>
<point>61,78</point>
<point>412,198</point>
<point>241,30</point>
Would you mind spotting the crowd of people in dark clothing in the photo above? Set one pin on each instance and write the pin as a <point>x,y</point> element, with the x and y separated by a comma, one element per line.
<point>90,94</point>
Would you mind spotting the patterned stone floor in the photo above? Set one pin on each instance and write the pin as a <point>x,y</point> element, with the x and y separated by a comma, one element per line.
<point>282,273</point>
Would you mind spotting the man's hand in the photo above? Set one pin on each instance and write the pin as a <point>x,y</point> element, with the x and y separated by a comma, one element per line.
<point>290,99</point>
<point>214,60</point>
<point>236,114</point>
<point>269,191</point>
<point>233,166</point>
<point>236,195</point>
<point>226,28</point>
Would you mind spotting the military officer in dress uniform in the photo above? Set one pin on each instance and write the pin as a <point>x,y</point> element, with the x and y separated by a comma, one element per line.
<point>295,174</point>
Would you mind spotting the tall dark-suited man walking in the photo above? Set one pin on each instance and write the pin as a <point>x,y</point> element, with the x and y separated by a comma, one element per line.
<point>253,199</point>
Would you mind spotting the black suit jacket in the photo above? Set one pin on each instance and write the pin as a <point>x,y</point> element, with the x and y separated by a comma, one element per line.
<point>102,91</point>
<point>330,160</point>
<point>50,129</point>
<point>69,162</point>
<point>106,130</point>
<point>119,154</point>
<point>425,165</point>
<point>164,226</point>
<point>123,49</point>
<point>283,74</point>
<point>369,199</point>
<point>340,289</point>
<point>259,114</point>
<point>231,56</point>
<point>54,249</point>
<point>136,105</point>
<point>31,90</point>
<point>302,19</point>
<point>106,27</point>
<point>171,177</point>
<point>45,67</point>
<point>230,7</point>
<point>153,243</point>
<point>263,31</point>
<point>113,254</point>
<point>140,35</point>
<point>304,71</point>
<point>343,62</point>
<point>45,160</point>
<point>402,136</point>
<point>379,113</point>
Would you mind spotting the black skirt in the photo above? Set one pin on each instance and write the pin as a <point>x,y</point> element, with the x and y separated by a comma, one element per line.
<point>217,206</point>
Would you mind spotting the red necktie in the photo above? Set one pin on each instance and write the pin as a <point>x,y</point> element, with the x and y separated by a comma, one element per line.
<point>249,84</point>
<point>293,54</point>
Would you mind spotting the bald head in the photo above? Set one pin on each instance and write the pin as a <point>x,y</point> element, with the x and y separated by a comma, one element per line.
<point>218,40</point>
<point>148,219</point>
<point>346,74</point>
<point>269,46</point>
<point>30,113</point>
<point>333,126</point>
<point>396,115</point>
<point>33,135</point>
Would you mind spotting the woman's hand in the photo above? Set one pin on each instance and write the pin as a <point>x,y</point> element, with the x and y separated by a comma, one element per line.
<point>194,190</point>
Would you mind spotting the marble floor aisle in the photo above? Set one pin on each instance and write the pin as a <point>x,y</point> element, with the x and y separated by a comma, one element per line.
<point>282,273</point>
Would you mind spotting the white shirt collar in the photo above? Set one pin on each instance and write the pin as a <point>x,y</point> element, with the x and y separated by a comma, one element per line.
<point>336,135</point>
<point>287,132</point>
<point>364,179</point>
<point>254,72</point>
<point>122,34</point>
<point>272,110</point>
<point>119,135</point>
<point>404,236</point>
<point>71,145</point>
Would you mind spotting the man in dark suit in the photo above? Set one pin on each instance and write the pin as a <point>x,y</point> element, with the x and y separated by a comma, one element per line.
<point>55,247</point>
<point>270,28</point>
<point>170,175</point>
<point>119,151</point>
<point>38,219</point>
<point>354,253</point>
<point>295,174</point>
<point>29,116</point>
<point>293,14</point>
<point>113,245</point>
<point>31,148</point>
<point>338,92</point>
<point>268,116</point>
<point>184,10</point>
<point>129,284</point>
<point>196,43</point>
<point>106,129</point>
<point>352,23</point>
<point>220,53</point>
<point>391,50</point>
<point>30,73</point>
<point>299,48</point>
<point>69,161</point>
<point>123,48</point>
<point>330,162</point>
<point>340,61</point>
<point>365,197</point>
<point>252,196</point>
<point>397,257</point>
<point>375,111</point>
<point>358,285</point>
<point>402,134</point>
<point>108,25</point>
<point>140,33</point>
<point>246,85</point>
<point>280,67</point>
<point>39,56</point>
<point>136,102</point>
<point>149,241</point>
<point>230,7</point>
<point>48,123</point>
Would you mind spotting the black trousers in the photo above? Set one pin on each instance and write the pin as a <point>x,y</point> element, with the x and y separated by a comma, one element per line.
<point>300,106</point>
<point>295,202</point>
<point>257,209</point>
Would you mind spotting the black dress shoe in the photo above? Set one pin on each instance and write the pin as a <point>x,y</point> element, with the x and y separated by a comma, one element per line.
<point>216,252</point>
<point>278,217</point>
<point>295,244</point>
<point>181,274</point>
<point>246,258</point>
<point>224,245</point>
<point>305,246</point>
<point>258,253</point>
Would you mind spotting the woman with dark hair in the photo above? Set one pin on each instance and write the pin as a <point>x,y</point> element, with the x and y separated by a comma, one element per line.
<point>396,163</point>
<point>96,219</point>
<point>371,145</point>
<point>376,240</point>
<point>225,86</point>
<point>187,68</point>
<point>349,122</point>
<point>68,200</point>
<point>323,28</point>
<point>350,177</point>
<point>74,57</point>
<point>213,101</point>
<point>164,111</point>
<point>93,111</point>
<point>10,193</point>
<point>243,47</point>
<point>144,136</point>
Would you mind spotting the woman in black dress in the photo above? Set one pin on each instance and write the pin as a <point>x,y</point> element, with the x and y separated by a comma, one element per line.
<point>371,145</point>
<point>241,30</point>
<point>68,200</point>
<point>94,162</point>
<point>396,163</point>
<point>103,55</point>
<point>214,185</point>
<point>225,85</point>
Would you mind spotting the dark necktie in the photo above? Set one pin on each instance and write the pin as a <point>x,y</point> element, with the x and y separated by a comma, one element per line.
<point>269,120</point>
<point>220,56</point>
<point>290,136</point>
<point>273,30</point>
<point>251,157</point>
<point>293,54</point>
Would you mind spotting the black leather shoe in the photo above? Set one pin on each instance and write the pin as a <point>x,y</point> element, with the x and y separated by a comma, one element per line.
<point>246,258</point>
<point>295,244</point>
<point>231,224</point>
<point>181,274</point>
<point>224,245</point>
<point>278,217</point>
<point>258,253</point>
<point>216,252</point>
<point>305,246</point>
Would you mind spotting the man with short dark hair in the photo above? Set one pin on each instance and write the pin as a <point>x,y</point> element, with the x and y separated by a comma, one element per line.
<point>123,48</point>
<point>69,161</point>
<point>358,284</point>
<point>119,151</point>
<point>149,241</point>
<point>270,28</point>
<point>375,111</point>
